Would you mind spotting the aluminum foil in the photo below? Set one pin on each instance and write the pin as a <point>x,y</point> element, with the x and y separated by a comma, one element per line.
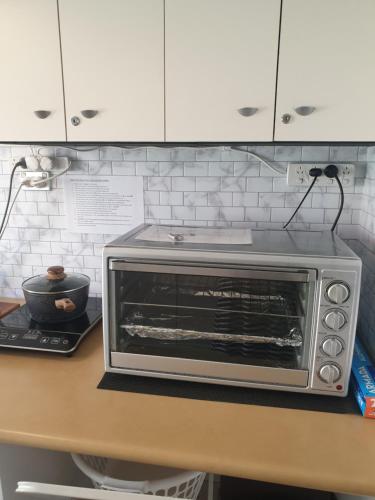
<point>292,339</point>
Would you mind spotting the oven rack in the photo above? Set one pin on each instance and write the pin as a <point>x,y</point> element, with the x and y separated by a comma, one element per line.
<point>252,297</point>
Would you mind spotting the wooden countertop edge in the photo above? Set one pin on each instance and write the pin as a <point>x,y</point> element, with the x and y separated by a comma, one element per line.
<point>174,459</point>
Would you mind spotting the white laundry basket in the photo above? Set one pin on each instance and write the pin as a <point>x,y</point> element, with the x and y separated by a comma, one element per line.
<point>118,475</point>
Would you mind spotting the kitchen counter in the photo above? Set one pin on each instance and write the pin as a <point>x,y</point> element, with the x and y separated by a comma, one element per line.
<point>52,402</point>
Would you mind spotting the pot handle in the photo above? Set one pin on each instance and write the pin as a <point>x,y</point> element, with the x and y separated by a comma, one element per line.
<point>66,304</point>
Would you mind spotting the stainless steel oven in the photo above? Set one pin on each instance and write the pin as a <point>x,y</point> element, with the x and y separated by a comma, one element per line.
<point>266,309</point>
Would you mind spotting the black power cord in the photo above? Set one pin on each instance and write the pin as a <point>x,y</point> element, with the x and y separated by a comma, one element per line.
<point>315,173</point>
<point>331,171</point>
<point>20,163</point>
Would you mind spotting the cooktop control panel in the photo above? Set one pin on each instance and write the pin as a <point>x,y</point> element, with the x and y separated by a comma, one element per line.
<point>36,339</point>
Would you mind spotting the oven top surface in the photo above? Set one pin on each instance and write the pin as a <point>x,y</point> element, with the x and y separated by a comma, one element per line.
<point>310,243</point>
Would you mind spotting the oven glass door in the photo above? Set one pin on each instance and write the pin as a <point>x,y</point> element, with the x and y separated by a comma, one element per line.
<point>212,322</point>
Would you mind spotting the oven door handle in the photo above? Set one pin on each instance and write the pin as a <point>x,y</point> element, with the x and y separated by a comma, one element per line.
<point>297,275</point>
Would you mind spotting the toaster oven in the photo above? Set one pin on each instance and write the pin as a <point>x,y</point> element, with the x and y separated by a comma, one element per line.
<point>265,309</point>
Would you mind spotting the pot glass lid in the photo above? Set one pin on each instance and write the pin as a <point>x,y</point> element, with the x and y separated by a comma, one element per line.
<point>55,281</point>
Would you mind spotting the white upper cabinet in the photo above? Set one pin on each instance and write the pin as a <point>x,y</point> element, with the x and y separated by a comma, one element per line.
<point>113,64</point>
<point>326,71</point>
<point>221,59</point>
<point>31,95</point>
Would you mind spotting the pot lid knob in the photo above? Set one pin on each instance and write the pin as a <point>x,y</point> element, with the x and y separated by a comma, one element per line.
<point>55,273</point>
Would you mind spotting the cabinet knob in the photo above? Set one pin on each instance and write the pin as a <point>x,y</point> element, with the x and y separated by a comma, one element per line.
<point>42,114</point>
<point>89,113</point>
<point>247,111</point>
<point>286,117</point>
<point>304,110</point>
<point>75,120</point>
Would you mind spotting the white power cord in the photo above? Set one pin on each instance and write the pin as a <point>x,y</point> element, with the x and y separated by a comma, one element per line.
<point>166,146</point>
<point>32,183</point>
<point>262,160</point>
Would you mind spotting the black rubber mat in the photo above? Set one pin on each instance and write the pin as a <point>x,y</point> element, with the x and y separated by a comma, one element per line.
<point>228,394</point>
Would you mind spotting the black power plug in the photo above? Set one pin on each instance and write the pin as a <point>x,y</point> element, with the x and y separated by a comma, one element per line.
<point>20,163</point>
<point>315,172</point>
<point>331,171</point>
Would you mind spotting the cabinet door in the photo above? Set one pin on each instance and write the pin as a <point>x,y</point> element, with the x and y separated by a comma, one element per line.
<point>221,59</point>
<point>113,63</point>
<point>327,66</point>
<point>31,92</point>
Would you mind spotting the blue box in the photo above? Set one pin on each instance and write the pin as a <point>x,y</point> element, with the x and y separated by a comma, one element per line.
<point>363,380</point>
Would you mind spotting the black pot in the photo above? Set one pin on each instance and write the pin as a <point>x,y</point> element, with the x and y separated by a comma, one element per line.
<point>57,296</point>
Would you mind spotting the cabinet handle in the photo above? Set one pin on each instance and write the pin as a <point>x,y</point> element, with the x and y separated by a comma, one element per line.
<point>304,110</point>
<point>286,117</point>
<point>42,114</point>
<point>247,111</point>
<point>89,113</point>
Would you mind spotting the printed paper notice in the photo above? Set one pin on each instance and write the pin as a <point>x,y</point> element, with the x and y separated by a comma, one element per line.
<point>103,204</point>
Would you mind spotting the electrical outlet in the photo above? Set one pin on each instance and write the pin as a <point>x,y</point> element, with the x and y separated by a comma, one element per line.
<point>298,174</point>
<point>37,176</point>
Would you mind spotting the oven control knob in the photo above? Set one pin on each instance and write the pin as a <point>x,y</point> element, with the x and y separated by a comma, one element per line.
<point>338,292</point>
<point>330,373</point>
<point>334,320</point>
<point>332,346</point>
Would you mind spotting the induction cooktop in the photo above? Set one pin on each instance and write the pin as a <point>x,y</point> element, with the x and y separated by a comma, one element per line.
<point>19,331</point>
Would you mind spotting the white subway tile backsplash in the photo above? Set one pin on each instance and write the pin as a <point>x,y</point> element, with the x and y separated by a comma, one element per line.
<point>245,199</point>
<point>187,212</point>
<point>232,213</point>
<point>257,214</point>
<point>82,248</point>
<point>76,261</point>
<point>171,168</point>
<point>195,199</point>
<point>246,168</point>
<point>147,168</point>
<point>271,199</point>
<point>222,168</point>
<point>207,213</point>
<point>171,198</point>
<point>325,200</point>
<point>158,212</point>
<point>343,153</point>
<point>29,259</point>
<point>259,184</point>
<point>100,168</point>
<point>137,154</point>
<point>288,153</point>
<point>158,154</point>
<point>220,199</point>
<point>208,183</point>
<point>159,183</point>
<point>29,221</point>
<point>183,185</point>
<point>233,184</point>
<point>196,168</point>
<point>123,167</point>
<point>183,154</point>
<point>152,198</point>
<point>43,247</point>
<point>110,153</point>
<point>315,153</point>
<point>208,154</point>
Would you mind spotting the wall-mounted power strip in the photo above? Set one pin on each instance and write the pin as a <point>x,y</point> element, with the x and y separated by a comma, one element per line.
<point>35,176</point>
<point>39,169</point>
<point>298,174</point>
